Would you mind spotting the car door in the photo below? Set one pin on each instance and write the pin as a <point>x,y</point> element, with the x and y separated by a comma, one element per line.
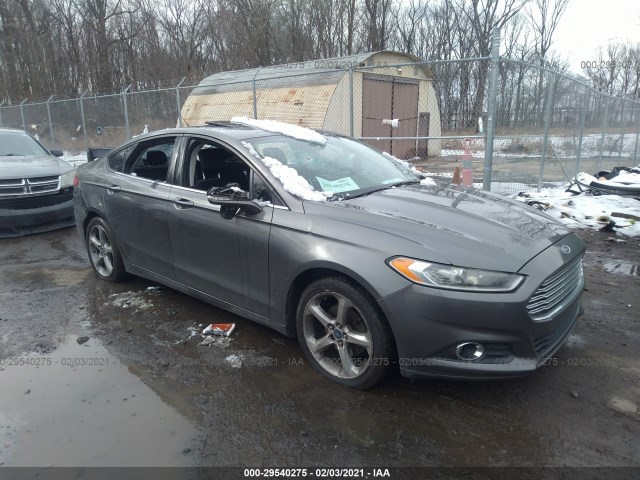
<point>226,259</point>
<point>136,201</point>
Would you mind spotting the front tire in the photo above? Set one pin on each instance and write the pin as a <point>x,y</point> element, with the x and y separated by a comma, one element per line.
<point>343,334</point>
<point>103,251</point>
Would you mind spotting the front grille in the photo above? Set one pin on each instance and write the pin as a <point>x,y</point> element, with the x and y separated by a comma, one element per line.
<point>543,344</point>
<point>27,202</point>
<point>29,186</point>
<point>557,291</point>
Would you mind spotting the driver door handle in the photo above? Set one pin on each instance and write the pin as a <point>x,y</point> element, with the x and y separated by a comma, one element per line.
<point>181,203</point>
<point>113,188</point>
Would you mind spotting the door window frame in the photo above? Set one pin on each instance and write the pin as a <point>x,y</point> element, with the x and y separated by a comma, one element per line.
<point>182,163</point>
<point>139,146</point>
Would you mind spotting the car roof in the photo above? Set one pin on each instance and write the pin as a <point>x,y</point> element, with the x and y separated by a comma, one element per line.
<point>225,129</point>
<point>236,131</point>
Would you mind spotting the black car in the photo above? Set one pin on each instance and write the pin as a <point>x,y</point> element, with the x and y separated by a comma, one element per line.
<point>324,238</point>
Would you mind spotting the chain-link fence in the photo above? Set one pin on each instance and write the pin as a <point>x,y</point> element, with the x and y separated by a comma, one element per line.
<point>549,127</point>
<point>517,126</point>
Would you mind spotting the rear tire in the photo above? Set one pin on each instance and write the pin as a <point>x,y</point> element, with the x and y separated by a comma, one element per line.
<point>343,333</point>
<point>103,251</point>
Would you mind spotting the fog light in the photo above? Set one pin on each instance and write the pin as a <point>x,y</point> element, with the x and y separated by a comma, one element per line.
<point>470,351</point>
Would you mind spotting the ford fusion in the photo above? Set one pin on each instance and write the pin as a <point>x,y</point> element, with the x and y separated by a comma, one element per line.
<point>36,187</point>
<point>324,238</point>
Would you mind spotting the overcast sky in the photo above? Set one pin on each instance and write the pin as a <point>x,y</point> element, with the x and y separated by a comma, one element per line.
<point>588,24</point>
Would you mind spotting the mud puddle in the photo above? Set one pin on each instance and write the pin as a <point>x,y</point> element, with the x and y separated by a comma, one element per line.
<point>79,405</point>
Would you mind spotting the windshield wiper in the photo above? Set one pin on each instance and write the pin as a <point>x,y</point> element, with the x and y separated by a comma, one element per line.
<point>406,182</point>
<point>356,194</point>
<point>11,155</point>
<point>368,191</point>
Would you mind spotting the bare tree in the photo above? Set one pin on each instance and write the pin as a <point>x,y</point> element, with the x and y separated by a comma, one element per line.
<point>98,17</point>
<point>378,12</point>
<point>407,19</point>
<point>185,29</point>
<point>544,17</point>
<point>484,16</point>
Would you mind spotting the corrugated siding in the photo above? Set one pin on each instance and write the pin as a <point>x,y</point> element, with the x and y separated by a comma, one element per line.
<point>304,106</point>
<point>298,69</point>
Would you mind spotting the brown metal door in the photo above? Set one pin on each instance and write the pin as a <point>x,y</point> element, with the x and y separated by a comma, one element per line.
<point>386,97</point>
<point>377,97</point>
<point>405,108</point>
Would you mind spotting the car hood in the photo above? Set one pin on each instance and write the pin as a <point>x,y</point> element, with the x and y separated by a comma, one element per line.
<point>32,166</point>
<point>471,228</point>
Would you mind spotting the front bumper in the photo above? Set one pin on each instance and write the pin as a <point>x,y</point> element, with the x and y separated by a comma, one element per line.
<point>36,214</point>
<point>432,322</point>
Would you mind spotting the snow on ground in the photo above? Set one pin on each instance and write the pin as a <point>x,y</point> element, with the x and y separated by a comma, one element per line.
<point>565,147</point>
<point>291,181</point>
<point>586,211</point>
<point>295,131</point>
<point>626,178</point>
<point>582,211</point>
<point>510,189</point>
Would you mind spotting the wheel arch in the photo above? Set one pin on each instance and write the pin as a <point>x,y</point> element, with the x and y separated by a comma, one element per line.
<point>316,272</point>
<point>91,214</point>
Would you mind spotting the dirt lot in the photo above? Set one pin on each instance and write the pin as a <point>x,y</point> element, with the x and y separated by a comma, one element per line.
<point>99,374</point>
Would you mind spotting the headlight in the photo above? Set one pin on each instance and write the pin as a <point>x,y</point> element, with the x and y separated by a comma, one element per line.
<point>455,278</point>
<point>67,179</point>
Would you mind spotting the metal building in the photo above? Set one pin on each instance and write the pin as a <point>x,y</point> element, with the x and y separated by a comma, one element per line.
<point>359,95</point>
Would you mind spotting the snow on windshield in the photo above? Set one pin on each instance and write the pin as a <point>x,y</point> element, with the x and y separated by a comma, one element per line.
<point>295,131</point>
<point>404,165</point>
<point>291,181</point>
<point>428,181</point>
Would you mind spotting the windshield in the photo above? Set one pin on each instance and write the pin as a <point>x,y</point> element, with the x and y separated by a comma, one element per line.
<point>19,144</point>
<point>342,167</point>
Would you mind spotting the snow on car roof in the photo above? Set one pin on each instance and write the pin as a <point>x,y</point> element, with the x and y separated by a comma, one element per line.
<point>295,131</point>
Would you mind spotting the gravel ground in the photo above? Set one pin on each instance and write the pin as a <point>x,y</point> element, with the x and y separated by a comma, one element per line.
<point>117,372</point>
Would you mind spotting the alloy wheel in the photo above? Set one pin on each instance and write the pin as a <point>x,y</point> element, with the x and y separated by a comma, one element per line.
<point>338,335</point>
<point>101,250</point>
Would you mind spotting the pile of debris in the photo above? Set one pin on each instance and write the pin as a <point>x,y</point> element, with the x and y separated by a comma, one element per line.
<point>608,201</point>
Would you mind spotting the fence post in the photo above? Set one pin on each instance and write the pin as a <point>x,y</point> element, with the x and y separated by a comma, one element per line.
<point>53,140</point>
<point>126,112</point>
<point>178,102</point>
<point>635,151</point>
<point>1,104</point>
<point>604,128</point>
<point>351,102</point>
<point>24,126</point>
<point>491,107</point>
<point>583,115</point>
<point>547,124</point>
<point>621,127</point>
<point>255,96</point>
<point>84,124</point>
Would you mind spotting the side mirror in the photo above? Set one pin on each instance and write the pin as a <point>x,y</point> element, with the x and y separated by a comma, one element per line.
<point>232,198</point>
<point>57,153</point>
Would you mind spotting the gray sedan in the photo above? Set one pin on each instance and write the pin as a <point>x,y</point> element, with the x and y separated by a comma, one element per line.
<point>324,238</point>
<point>36,187</point>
